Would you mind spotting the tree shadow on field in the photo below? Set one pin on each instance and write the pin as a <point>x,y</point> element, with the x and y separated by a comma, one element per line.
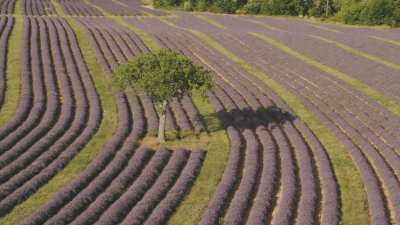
<point>250,119</point>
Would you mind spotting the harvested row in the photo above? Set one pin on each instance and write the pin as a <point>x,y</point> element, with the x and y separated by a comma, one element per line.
<point>117,9</point>
<point>114,45</point>
<point>381,77</point>
<point>6,25</point>
<point>78,8</point>
<point>375,117</point>
<point>71,130</point>
<point>382,187</point>
<point>37,7</point>
<point>357,41</point>
<point>245,101</point>
<point>7,6</point>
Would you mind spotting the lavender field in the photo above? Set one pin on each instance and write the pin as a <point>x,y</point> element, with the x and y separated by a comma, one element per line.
<point>302,127</point>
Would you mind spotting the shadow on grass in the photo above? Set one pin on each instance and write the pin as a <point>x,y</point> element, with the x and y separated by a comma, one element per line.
<point>248,118</point>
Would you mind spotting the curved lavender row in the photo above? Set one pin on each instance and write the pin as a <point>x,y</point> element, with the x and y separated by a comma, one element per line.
<point>150,113</point>
<point>82,200</point>
<point>285,211</point>
<point>241,202</point>
<point>228,181</point>
<point>95,116</point>
<point>376,202</point>
<point>109,150</point>
<point>180,115</point>
<point>308,202</point>
<point>122,40</point>
<point>384,168</point>
<point>7,6</point>
<point>97,186</point>
<point>79,8</point>
<point>116,9</point>
<point>6,26</point>
<point>96,46</point>
<point>194,114</point>
<point>159,189</point>
<point>106,48</point>
<point>175,195</point>
<point>330,206</point>
<point>20,140</point>
<point>261,211</point>
<point>119,209</point>
<point>124,50</point>
<point>116,188</point>
<point>30,109</point>
<point>101,45</point>
<point>44,135</point>
<point>38,8</point>
<point>115,48</point>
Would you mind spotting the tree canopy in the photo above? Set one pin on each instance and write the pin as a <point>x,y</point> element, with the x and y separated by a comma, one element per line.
<point>370,12</point>
<point>163,75</point>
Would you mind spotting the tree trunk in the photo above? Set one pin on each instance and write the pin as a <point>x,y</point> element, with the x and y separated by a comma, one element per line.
<point>327,8</point>
<point>161,125</point>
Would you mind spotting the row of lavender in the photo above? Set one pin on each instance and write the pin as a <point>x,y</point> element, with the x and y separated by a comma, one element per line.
<point>79,8</point>
<point>272,153</point>
<point>115,8</point>
<point>58,112</point>
<point>368,130</point>
<point>6,25</point>
<point>7,7</point>
<point>37,8</point>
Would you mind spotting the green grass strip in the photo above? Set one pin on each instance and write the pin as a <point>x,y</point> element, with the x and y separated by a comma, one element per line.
<point>358,52</point>
<point>58,8</point>
<point>216,144</point>
<point>262,24</point>
<point>356,84</point>
<point>397,43</point>
<point>13,72</point>
<point>353,197</point>
<point>147,39</point>
<point>210,21</point>
<point>91,150</point>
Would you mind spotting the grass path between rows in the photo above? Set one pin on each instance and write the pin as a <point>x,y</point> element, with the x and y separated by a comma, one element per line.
<point>89,152</point>
<point>359,52</point>
<point>393,42</point>
<point>13,69</point>
<point>353,197</point>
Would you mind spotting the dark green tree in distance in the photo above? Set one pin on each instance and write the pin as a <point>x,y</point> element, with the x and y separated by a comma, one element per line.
<point>163,75</point>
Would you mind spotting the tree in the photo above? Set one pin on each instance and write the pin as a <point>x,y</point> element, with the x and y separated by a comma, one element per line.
<point>163,75</point>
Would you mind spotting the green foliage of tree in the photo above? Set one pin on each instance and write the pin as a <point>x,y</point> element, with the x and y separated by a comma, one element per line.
<point>163,75</point>
<point>370,12</point>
